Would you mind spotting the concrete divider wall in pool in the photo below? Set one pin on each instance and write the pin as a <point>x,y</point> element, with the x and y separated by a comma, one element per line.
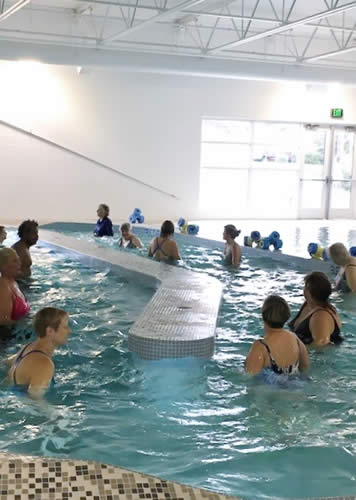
<point>181,317</point>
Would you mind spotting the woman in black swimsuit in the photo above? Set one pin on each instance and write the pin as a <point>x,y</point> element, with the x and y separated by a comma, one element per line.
<point>280,351</point>
<point>346,278</point>
<point>317,321</point>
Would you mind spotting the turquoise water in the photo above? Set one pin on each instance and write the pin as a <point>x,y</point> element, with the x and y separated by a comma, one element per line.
<point>202,422</point>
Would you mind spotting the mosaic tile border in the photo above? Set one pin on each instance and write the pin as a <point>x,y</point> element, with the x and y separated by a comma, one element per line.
<point>181,317</point>
<point>33,478</point>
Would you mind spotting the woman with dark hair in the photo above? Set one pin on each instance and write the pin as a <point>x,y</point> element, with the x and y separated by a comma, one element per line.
<point>317,321</point>
<point>104,225</point>
<point>232,250</point>
<point>280,351</point>
<point>163,248</point>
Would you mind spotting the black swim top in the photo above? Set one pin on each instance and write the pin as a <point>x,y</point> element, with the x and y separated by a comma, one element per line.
<point>303,331</point>
<point>287,370</point>
<point>126,245</point>
<point>18,360</point>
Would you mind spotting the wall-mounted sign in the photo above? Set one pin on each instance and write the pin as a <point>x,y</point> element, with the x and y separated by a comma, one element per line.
<point>337,113</point>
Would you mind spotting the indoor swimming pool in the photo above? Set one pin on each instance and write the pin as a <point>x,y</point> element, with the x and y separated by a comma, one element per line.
<point>200,422</point>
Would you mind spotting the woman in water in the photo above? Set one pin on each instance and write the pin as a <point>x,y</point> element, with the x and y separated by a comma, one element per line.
<point>3,236</point>
<point>13,304</point>
<point>128,239</point>
<point>104,225</point>
<point>280,351</point>
<point>346,278</point>
<point>317,322</point>
<point>32,368</point>
<point>163,248</point>
<point>232,250</point>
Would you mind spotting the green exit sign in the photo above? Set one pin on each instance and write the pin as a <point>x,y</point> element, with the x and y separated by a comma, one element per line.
<point>337,113</point>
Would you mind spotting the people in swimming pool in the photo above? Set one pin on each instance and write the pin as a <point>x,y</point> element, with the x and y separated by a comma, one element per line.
<point>346,278</point>
<point>163,247</point>
<point>317,322</point>
<point>32,368</point>
<point>128,239</point>
<point>280,351</point>
<point>3,236</point>
<point>13,304</point>
<point>28,234</point>
<point>104,225</point>
<point>232,250</point>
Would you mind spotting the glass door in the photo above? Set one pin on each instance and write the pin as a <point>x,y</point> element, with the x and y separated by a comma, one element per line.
<point>314,172</point>
<point>342,166</point>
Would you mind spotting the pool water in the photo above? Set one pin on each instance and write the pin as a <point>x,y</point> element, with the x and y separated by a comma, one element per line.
<point>201,422</point>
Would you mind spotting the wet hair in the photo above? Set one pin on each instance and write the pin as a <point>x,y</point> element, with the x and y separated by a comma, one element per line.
<point>106,208</point>
<point>275,311</point>
<point>5,254</point>
<point>339,254</point>
<point>167,228</point>
<point>319,287</point>
<point>125,227</point>
<point>48,317</point>
<point>26,226</point>
<point>231,230</point>
<point>2,228</point>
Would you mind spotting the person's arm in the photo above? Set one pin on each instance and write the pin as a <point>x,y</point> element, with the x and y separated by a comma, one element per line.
<point>339,277</point>
<point>236,255</point>
<point>136,241</point>
<point>150,252</point>
<point>303,357</point>
<point>321,325</point>
<point>6,306</point>
<point>41,378</point>
<point>175,251</point>
<point>255,361</point>
<point>350,274</point>
<point>108,228</point>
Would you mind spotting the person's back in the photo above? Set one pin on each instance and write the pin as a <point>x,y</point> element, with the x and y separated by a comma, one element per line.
<point>32,368</point>
<point>163,248</point>
<point>346,279</point>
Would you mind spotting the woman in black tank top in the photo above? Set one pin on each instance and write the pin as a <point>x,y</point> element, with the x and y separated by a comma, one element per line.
<point>317,321</point>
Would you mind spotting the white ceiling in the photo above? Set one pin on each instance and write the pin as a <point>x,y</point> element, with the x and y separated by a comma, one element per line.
<point>295,39</point>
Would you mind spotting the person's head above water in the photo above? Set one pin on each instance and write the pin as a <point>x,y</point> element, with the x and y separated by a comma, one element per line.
<point>28,232</point>
<point>125,229</point>
<point>103,210</point>
<point>167,229</point>
<point>339,254</point>
<point>9,263</point>
<point>52,323</point>
<point>317,287</point>
<point>275,311</point>
<point>3,234</point>
<point>230,230</point>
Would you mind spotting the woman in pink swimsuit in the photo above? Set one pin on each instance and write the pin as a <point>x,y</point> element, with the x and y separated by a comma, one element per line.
<point>13,304</point>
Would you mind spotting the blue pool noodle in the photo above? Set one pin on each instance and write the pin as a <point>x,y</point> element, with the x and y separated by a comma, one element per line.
<point>140,219</point>
<point>277,243</point>
<point>192,229</point>
<point>255,235</point>
<point>136,212</point>
<point>265,243</point>
<point>132,219</point>
<point>274,235</point>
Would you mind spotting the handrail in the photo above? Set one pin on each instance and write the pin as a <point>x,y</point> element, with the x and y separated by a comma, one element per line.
<point>87,158</point>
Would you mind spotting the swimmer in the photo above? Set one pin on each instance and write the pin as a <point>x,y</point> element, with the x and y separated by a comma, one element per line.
<point>346,278</point>
<point>317,322</point>
<point>13,304</point>
<point>163,248</point>
<point>128,239</point>
<point>32,368</point>
<point>3,236</point>
<point>104,225</point>
<point>232,250</point>
<point>28,234</point>
<point>280,351</point>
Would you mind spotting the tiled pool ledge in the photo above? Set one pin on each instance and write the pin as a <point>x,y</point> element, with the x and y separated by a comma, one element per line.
<point>34,478</point>
<point>181,317</point>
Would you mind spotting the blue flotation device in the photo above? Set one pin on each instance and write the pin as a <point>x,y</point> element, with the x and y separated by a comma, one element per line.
<point>264,243</point>
<point>353,251</point>
<point>136,216</point>
<point>316,251</point>
<point>185,228</point>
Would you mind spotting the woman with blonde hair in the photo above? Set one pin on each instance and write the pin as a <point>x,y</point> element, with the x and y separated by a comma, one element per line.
<point>346,278</point>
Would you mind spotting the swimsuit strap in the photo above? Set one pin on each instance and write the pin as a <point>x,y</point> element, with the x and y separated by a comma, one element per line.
<point>21,356</point>
<point>277,369</point>
<point>158,247</point>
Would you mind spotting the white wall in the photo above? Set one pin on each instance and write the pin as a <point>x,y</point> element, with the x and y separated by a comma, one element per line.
<point>146,125</point>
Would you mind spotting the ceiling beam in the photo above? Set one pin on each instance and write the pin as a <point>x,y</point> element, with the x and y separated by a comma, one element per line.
<point>327,54</point>
<point>14,8</point>
<point>284,27</point>
<point>152,20</point>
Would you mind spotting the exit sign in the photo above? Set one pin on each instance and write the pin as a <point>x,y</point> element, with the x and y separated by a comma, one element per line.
<point>337,113</point>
